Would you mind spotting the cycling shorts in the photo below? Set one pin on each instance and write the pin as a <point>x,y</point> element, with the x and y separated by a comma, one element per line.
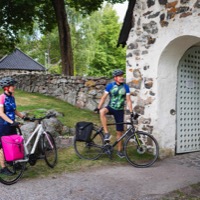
<point>119,117</point>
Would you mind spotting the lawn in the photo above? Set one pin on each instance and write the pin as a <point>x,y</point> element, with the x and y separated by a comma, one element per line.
<point>35,103</point>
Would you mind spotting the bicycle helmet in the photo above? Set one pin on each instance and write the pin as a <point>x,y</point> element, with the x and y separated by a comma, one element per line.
<point>7,81</point>
<point>117,72</point>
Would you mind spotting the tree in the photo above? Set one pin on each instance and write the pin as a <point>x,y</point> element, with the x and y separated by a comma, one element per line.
<point>42,48</point>
<point>19,15</point>
<point>107,57</point>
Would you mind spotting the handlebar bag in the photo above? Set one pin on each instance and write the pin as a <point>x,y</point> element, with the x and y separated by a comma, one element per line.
<point>84,131</point>
<point>13,147</point>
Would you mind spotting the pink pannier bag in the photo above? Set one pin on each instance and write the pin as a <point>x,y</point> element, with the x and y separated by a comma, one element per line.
<point>13,147</point>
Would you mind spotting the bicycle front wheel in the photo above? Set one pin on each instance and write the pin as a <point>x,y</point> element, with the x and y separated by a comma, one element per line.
<point>49,150</point>
<point>141,149</point>
<point>91,150</point>
<point>17,170</point>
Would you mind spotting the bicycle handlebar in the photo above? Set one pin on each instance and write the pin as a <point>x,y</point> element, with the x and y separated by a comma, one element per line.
<point>41,118</point>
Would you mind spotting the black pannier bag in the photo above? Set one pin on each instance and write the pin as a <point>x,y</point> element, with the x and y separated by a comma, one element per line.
<point>84,131</point>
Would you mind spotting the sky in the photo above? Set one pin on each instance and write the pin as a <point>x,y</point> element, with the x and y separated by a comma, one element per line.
<point>121,10</point>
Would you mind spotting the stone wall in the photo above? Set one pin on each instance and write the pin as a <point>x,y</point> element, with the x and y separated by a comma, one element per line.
<point>83,92</point>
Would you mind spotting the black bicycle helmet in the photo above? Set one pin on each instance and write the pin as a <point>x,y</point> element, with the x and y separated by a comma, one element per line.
<point>117,72</point>
<point>7,81</point>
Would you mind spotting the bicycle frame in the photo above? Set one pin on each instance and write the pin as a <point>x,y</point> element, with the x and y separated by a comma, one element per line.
<point>132,127</point>
<point>37,131</point>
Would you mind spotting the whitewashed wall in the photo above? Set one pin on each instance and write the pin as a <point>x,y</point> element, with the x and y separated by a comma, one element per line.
<point>162,32</point>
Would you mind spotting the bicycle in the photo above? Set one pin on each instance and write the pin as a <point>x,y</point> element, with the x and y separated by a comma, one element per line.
<point>43,147</point>
<point>140,149</point>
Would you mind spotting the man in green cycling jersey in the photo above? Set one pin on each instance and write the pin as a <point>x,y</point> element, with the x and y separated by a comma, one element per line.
<point>118,92</point>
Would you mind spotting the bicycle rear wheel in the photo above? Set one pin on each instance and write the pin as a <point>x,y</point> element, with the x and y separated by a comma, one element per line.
<point>141,149</point>
<point>49,150</point>
<point>91,150</point>
<point>17,168</point>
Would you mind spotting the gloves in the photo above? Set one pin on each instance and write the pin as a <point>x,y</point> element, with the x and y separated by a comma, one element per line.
<point>16,124</point>
<point>132,115</point>
<point>26,118</point>
<point>96,110</point>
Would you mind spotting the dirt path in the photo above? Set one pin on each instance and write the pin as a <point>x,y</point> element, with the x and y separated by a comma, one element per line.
<point>119,182</point>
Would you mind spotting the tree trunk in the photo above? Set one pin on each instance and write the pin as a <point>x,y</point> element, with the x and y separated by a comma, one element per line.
<point>64,37</point>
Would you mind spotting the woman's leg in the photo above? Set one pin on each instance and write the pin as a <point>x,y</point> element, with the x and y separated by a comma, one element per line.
<point>2,160</point>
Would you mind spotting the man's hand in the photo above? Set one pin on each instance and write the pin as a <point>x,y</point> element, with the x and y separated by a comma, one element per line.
<point>132,115</point>
<point>96,110</point>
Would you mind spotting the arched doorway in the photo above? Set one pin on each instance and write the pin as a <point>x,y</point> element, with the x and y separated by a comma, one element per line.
<point>167,114</point>
<point>188,102</point>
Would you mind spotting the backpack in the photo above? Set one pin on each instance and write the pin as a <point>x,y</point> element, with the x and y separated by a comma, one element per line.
<point>84,131</point>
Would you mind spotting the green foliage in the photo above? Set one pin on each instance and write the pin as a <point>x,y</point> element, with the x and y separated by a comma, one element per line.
<point>94,43</point>
<point>33,101</point>
<point>42,48</point>
<point>88,6</point>
<point>107,56</point>
<point>94,40</point>
<point>20,15</point>
<point>56,69</point>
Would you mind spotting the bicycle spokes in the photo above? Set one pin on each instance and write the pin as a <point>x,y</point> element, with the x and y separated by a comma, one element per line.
<point>16,170</point>
<point>49,149</point>
<point>141,149</point>
<point>90,150</point>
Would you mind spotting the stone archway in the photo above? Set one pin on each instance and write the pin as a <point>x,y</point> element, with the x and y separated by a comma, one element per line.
<point>167,89</point>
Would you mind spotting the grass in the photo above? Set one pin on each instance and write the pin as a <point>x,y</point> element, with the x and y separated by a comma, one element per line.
<point>68,161</point>
<point>191,192</point>
<point>36,103</point>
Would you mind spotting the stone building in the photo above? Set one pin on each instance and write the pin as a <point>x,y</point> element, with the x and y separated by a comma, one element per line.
<point>163,70</point>
<point>19,63</point>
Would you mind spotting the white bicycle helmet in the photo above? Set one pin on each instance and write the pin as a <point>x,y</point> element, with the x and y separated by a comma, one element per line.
<point>7,81</point>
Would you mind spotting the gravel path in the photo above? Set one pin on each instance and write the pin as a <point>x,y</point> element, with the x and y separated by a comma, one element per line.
<point>119,182</point>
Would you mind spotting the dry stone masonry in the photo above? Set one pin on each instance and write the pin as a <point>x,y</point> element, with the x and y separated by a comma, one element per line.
<point>83,92</point>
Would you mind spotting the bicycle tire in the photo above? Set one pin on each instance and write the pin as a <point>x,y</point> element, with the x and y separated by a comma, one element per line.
<point>144,154</point>
<point>50,151</point>
<point>91,150</point>
<point>17,168</point>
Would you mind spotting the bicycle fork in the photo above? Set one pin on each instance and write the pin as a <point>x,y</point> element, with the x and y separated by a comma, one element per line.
<point>49,141</point>
<point>137,139</point>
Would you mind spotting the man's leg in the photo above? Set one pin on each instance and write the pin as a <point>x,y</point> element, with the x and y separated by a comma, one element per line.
<point>103,118</point>
<point>119,118</point>
<point>119,145</point>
